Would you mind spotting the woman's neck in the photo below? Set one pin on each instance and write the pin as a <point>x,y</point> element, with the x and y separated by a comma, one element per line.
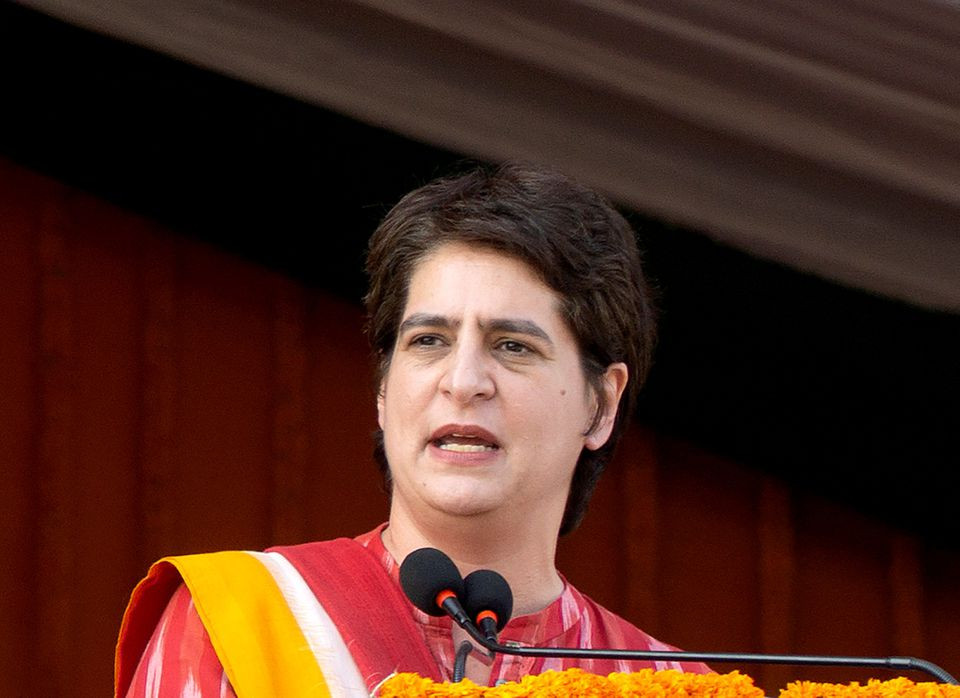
<point>524,557</point>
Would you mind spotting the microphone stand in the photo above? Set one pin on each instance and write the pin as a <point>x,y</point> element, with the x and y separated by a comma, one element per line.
<point>894,663</point>
<point>460,661</point>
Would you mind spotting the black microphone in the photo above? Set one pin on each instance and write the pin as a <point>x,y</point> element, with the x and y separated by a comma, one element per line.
<point>488,601</point>
<point>430,593</point>
<point>434,585</point>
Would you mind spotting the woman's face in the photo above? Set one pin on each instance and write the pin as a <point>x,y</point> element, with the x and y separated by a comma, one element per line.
<point>484,406</point>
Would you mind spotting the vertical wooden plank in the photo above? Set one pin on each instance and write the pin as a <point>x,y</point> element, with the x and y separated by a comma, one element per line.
<point>942,606</point>
<point>289,510</point>
<point>841,586</point>
<point>224,415</point>
<point>906,596</point>
<point>58,546</point>
<point>641,528</point>
<point>158,465</point>
<point>778,564</point>
<point>708,550</point>
<point>343,484</point>
<point>19,424</point>
<point>106,320</point>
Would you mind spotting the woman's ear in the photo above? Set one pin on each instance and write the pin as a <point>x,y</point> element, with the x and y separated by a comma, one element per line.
<point>614,383</point>
<point>380,399</point>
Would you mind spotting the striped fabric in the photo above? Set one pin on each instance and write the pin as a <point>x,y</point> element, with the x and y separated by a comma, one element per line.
<point>295,650</point>
<point>180,660</point>
<point>573,620</point>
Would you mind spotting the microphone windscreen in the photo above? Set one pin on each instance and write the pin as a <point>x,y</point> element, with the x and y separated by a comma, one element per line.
<point>486,590</point>
<point>426,572</point>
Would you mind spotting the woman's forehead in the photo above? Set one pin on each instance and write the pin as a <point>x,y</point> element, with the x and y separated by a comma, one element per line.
<point>456,276</point>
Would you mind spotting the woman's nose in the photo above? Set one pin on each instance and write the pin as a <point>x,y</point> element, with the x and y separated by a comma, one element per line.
<point>468,375</point>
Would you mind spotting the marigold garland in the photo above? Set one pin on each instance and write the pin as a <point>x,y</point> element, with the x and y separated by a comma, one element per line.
<point>576,682</point>
<point>653,684</point>
<point>894,688</point>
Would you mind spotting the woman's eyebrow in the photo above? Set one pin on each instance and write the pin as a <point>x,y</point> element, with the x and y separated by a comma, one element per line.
<point>426,320</point>
<point>517,326</point>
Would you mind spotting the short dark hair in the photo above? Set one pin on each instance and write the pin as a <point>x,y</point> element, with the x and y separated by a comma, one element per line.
<point>572,238</point>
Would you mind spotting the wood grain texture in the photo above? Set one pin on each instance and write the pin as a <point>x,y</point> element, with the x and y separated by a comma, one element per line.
<point>158,466</point>
<point>777,571</point>
<point>161,396</point>
<point>20,426</point>
<point>906,596</point>
<point>641,527</point>
<point>289,506</point>
<point>58,545</point>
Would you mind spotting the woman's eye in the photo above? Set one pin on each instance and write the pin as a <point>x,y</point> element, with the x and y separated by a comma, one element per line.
<point>425,340</point>
<point>512,347</point>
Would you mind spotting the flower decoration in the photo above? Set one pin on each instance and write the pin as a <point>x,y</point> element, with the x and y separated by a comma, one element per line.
<point>576,682</point>
<point>895,688</point>
<point>648,683</point>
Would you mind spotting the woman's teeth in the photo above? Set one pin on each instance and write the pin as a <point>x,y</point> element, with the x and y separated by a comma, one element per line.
<point>465,448</point>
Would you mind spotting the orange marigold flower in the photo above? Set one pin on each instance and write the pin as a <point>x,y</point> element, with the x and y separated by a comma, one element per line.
<point>647,683</point>
<point>899,687</point>
<point>578,683</point>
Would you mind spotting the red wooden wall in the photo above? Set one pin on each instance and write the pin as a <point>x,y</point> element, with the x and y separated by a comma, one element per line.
<point>160,396</point>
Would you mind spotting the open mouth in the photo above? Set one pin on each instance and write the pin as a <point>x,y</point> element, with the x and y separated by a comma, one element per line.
<point>465,441</point>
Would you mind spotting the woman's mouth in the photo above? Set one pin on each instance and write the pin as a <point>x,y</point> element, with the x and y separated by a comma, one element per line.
<point>464,439</point>
<point>458,443</point>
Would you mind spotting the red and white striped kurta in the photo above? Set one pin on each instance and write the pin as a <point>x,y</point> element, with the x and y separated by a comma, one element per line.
<point>180,662</point>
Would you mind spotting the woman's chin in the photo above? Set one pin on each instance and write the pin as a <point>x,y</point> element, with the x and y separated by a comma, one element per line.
<point>465,501</point>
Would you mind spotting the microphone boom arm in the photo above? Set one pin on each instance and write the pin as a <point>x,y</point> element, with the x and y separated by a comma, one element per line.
<point>893,663</point>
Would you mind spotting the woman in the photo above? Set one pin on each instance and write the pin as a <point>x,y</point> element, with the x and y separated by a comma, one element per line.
<point>513,328</point>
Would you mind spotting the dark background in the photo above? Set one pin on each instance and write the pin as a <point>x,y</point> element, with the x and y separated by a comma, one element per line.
<point>835,390</point>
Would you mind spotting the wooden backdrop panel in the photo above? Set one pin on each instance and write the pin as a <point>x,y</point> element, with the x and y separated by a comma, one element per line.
<point>19,370</point>
<point>161,396</point>
<point>941,617</point>
<point>103,394</point>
